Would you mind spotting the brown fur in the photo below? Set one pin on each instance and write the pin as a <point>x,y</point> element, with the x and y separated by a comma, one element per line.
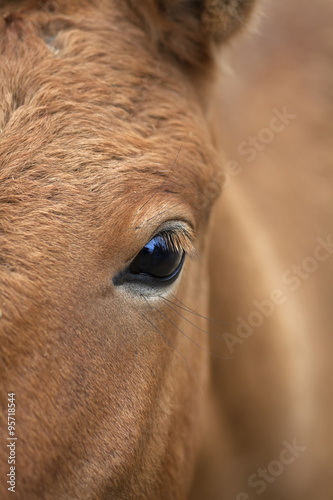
<point>105,137</point>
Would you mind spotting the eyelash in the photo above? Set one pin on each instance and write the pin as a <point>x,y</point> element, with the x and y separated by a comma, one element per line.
<point>172,240</point>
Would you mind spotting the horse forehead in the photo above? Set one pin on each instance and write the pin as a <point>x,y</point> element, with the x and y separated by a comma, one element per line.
<point>100,105</point>
<point>94,64</point>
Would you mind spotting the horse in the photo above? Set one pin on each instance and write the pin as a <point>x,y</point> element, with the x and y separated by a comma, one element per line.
<point>153,341</point>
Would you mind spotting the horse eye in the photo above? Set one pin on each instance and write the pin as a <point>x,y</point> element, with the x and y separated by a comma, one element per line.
<point>157,264</point>
<point>158,259</point>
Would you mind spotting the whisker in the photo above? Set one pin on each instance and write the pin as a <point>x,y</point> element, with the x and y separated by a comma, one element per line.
<point>185,306</point>
<point>188,337</point>
<point>193,324</point>
<point>160,187</point>
<point>191,311</point>
<point>180,354</point>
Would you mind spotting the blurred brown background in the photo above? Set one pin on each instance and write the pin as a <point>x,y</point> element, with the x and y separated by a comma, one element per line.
<point>277,384</point>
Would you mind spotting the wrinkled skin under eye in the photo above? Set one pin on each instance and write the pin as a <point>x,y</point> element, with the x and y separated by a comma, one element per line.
<point>158,263</point>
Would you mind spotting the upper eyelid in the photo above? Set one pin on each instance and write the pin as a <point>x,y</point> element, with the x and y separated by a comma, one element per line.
<point>176,224</point>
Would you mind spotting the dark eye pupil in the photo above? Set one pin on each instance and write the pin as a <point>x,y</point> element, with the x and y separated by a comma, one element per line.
<point>157,259</point>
